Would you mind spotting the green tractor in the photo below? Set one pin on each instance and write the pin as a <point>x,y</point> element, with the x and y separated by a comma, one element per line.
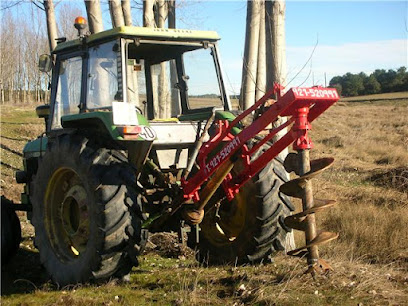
<point>114,164</point>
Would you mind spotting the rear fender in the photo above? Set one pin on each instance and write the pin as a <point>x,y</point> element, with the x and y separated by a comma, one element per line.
<point>137,145</point>
<point>102,121</point>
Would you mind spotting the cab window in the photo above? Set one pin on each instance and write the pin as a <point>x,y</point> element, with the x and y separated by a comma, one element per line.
<point>102,76</point>
<point>202,80</point>
<point>68,96</point>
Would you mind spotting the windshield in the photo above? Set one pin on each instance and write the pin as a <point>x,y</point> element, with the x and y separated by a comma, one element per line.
<point>165,80</point>
<point>201,78</point>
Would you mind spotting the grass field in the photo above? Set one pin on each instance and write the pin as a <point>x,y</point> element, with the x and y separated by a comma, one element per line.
<point>379,97</point>
<point>369,141</point>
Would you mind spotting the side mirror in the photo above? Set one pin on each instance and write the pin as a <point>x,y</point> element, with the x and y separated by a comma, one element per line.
<point>45,63</point>
<point>43,111</point>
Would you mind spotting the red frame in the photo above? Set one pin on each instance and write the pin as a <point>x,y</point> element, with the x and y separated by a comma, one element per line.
<point>300,105</point>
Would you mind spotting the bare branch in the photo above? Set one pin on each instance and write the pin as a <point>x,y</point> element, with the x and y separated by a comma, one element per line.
<point>41,8</point>
<point>137,4</point>
<point>57,2</point>
<point>310,72</point>
<point>309,59</point>
<point>6,5</point>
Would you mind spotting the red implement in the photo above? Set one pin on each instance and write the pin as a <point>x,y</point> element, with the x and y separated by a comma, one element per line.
<point>300,105</point>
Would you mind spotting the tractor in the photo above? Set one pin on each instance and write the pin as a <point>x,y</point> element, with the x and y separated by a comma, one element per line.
<point>115,164</point>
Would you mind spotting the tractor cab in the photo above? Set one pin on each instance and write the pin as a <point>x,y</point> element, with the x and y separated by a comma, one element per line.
<point>139,84</point>
<point>163,73</point>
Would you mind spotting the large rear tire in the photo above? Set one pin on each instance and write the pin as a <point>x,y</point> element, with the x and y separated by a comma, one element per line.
<point>250,228</point>
<point>86,212</point>
<point>10,231</point>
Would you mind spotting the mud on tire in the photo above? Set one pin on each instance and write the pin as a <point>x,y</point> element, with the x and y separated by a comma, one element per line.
<point>86,213</point>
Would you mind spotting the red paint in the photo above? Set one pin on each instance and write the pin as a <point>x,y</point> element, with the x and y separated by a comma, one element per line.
<point>300,105</point>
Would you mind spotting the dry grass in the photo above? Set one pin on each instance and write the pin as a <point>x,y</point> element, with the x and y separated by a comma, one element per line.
<point>369,180</point>
<point>379,97</point>
<point>370,144</point>
<point>18,125</point>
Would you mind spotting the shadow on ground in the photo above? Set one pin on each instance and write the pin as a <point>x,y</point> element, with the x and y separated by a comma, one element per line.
<point>23,274</point>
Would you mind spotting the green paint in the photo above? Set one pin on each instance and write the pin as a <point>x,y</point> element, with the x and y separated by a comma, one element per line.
<point>219,115</point>
<point>195,117</point>
<point>25,199</point>
<point>104,117</point>
<point>35,146</point>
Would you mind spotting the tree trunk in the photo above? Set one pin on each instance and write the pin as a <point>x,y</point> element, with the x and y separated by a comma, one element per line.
<point>2,91</point>
<point>132,85</point>
<point>148,21</point>
<point>261,65</point>
<point>51,24</point>
<point>12,91</point>
<point>276,67</point>
<point>175,98</point>
<point>115,9</point>
<point>171,12</point>
<point>249,68</point>
<point>162,13</point>
<point>276,46</point>
<point>148,15</point>
<point>26,92</point>
<point>94,13</point>
<point>163,90</point>
<point>127,12</point>
<point>276,50</point>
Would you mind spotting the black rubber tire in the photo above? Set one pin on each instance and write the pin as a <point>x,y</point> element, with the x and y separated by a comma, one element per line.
<point>10,231</point>
<point>263,231</point>
<point>112,218</point>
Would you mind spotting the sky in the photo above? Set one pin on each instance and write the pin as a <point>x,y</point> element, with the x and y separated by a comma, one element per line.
<point>349,36</point>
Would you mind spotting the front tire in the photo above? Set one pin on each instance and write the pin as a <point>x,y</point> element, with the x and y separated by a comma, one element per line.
<point>86,213</point>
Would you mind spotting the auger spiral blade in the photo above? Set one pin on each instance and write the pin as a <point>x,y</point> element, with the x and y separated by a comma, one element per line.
<point>322,238</point>
<point>295,188</point>
<point>321,164</point>
<point>321,266</point>
<point>316,208</point>
<point>301,188</point>
<point>297,221</point>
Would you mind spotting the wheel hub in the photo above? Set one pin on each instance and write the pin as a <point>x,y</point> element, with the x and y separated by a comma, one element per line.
<point>74,214</point>
<point>67,221</point>
<point>225,225</point>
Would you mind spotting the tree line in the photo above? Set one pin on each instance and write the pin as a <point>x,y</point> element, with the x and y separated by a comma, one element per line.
<point>380,81</point>
<point>23,38</point>
<point>31,28</point>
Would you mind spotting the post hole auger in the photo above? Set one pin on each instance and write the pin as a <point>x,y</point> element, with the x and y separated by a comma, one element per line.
<point>217,157</point>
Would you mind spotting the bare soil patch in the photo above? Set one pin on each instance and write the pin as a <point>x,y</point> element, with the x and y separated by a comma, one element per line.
<point>396,178</point>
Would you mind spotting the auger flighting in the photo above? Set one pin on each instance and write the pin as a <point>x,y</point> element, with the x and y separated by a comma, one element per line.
<point>301,188</point>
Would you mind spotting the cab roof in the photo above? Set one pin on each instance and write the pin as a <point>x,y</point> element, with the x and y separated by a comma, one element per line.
<point>143,33</point>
